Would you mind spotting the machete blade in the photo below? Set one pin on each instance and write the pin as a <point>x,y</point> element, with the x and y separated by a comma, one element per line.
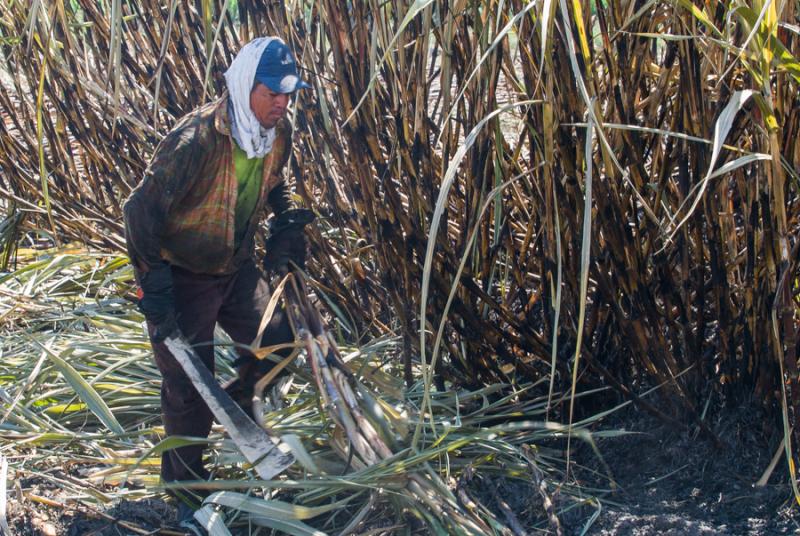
<point>267,454</point>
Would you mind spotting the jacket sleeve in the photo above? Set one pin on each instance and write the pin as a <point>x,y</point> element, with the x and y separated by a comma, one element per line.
<point>279,198</point>
<point>168,177</point>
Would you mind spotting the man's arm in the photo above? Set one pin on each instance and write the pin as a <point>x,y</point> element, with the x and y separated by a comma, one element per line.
<point>279,197</point>
<point>167,178</point>
<point>287,241</point>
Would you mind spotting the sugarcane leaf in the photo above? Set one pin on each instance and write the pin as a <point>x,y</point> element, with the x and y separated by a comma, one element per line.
<point>462,264</point>
<point>114,69</point>
<point>48,438</point>
<point>212,42</point>
<point>273,509</point>
<point>546,26</point>
<point>4,529</point>
<point>161,56</point>
<point>294,528</point>
<point>586,243</point>
<point>721,129</point>
<point>498,39</point>
<point>170,443</point>
<point>43,174</point>
<point>556,294</point>
<point>412,12</point>
<point>32,18</point>
<point>782,58</point>
<point>577,15</point>
<point>212,520</point>
<point>84,391</point>
<point>60,409</point>
<point>700,15</point>
<point>301,455</point>
<point>441,204</point>
<point>346,321</point>
<point>636,16</point>
<point>587,99</point>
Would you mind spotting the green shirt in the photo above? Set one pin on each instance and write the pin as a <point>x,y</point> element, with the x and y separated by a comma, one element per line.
<point>248,175</point>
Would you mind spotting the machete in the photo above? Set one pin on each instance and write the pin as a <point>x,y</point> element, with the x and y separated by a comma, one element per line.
<point>268,455</point>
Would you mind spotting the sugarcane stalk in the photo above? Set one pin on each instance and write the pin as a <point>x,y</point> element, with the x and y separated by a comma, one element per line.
<point>348,411</point>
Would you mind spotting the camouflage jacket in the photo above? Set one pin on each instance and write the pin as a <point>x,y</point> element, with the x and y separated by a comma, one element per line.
<point>183,210</point>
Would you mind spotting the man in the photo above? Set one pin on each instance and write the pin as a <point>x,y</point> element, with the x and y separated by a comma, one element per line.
<point>190,228</point>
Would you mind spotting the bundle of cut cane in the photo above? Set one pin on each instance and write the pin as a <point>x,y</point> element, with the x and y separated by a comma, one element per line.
<point>363,436</point>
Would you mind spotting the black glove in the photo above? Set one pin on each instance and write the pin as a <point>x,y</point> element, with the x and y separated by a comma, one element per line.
<point>287,245</point>
<point>287,241</point>
<point>158,301</point>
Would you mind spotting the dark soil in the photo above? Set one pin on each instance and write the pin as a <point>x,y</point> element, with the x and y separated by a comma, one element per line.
<point>676,482</point>
<point>668,482</point>
<point>147,514</point>
<point>61,518</point>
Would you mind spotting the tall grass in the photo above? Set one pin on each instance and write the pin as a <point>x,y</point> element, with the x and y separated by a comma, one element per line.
<point>645,230</point>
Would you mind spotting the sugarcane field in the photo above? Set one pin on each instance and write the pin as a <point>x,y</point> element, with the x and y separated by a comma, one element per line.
<point>399,268</point>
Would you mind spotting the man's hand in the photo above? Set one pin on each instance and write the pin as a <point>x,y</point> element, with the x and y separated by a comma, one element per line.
<point>287,241</point>
<point>157,302</point>
<point>285,246</point>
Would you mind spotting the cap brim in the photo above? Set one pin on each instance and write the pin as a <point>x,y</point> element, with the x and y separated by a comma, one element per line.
<point>283,84</point>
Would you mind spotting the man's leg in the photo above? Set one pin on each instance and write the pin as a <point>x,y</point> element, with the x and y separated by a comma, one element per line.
<point>197,302</point>
<point>245,301</point>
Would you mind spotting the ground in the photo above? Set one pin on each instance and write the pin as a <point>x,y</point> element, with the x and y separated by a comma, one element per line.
<point>669,482</point>
<point>124,519</point>
<point>673,483</point>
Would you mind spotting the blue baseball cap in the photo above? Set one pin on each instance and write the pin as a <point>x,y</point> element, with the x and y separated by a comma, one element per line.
<point>277,69</point>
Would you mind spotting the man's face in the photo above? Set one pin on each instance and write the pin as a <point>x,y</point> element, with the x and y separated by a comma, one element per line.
<point>267,105</point>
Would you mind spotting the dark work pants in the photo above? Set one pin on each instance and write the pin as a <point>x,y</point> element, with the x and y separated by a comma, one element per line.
<point>237,302</point>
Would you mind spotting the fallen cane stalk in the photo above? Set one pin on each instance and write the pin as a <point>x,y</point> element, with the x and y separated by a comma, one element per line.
<point>541,486</point>
<point>356,417</point>
<point>258,388</point>
<point>513,522</point>
<point>772,464</point>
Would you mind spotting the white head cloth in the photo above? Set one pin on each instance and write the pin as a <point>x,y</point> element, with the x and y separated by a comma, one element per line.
<point>254,139</point>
